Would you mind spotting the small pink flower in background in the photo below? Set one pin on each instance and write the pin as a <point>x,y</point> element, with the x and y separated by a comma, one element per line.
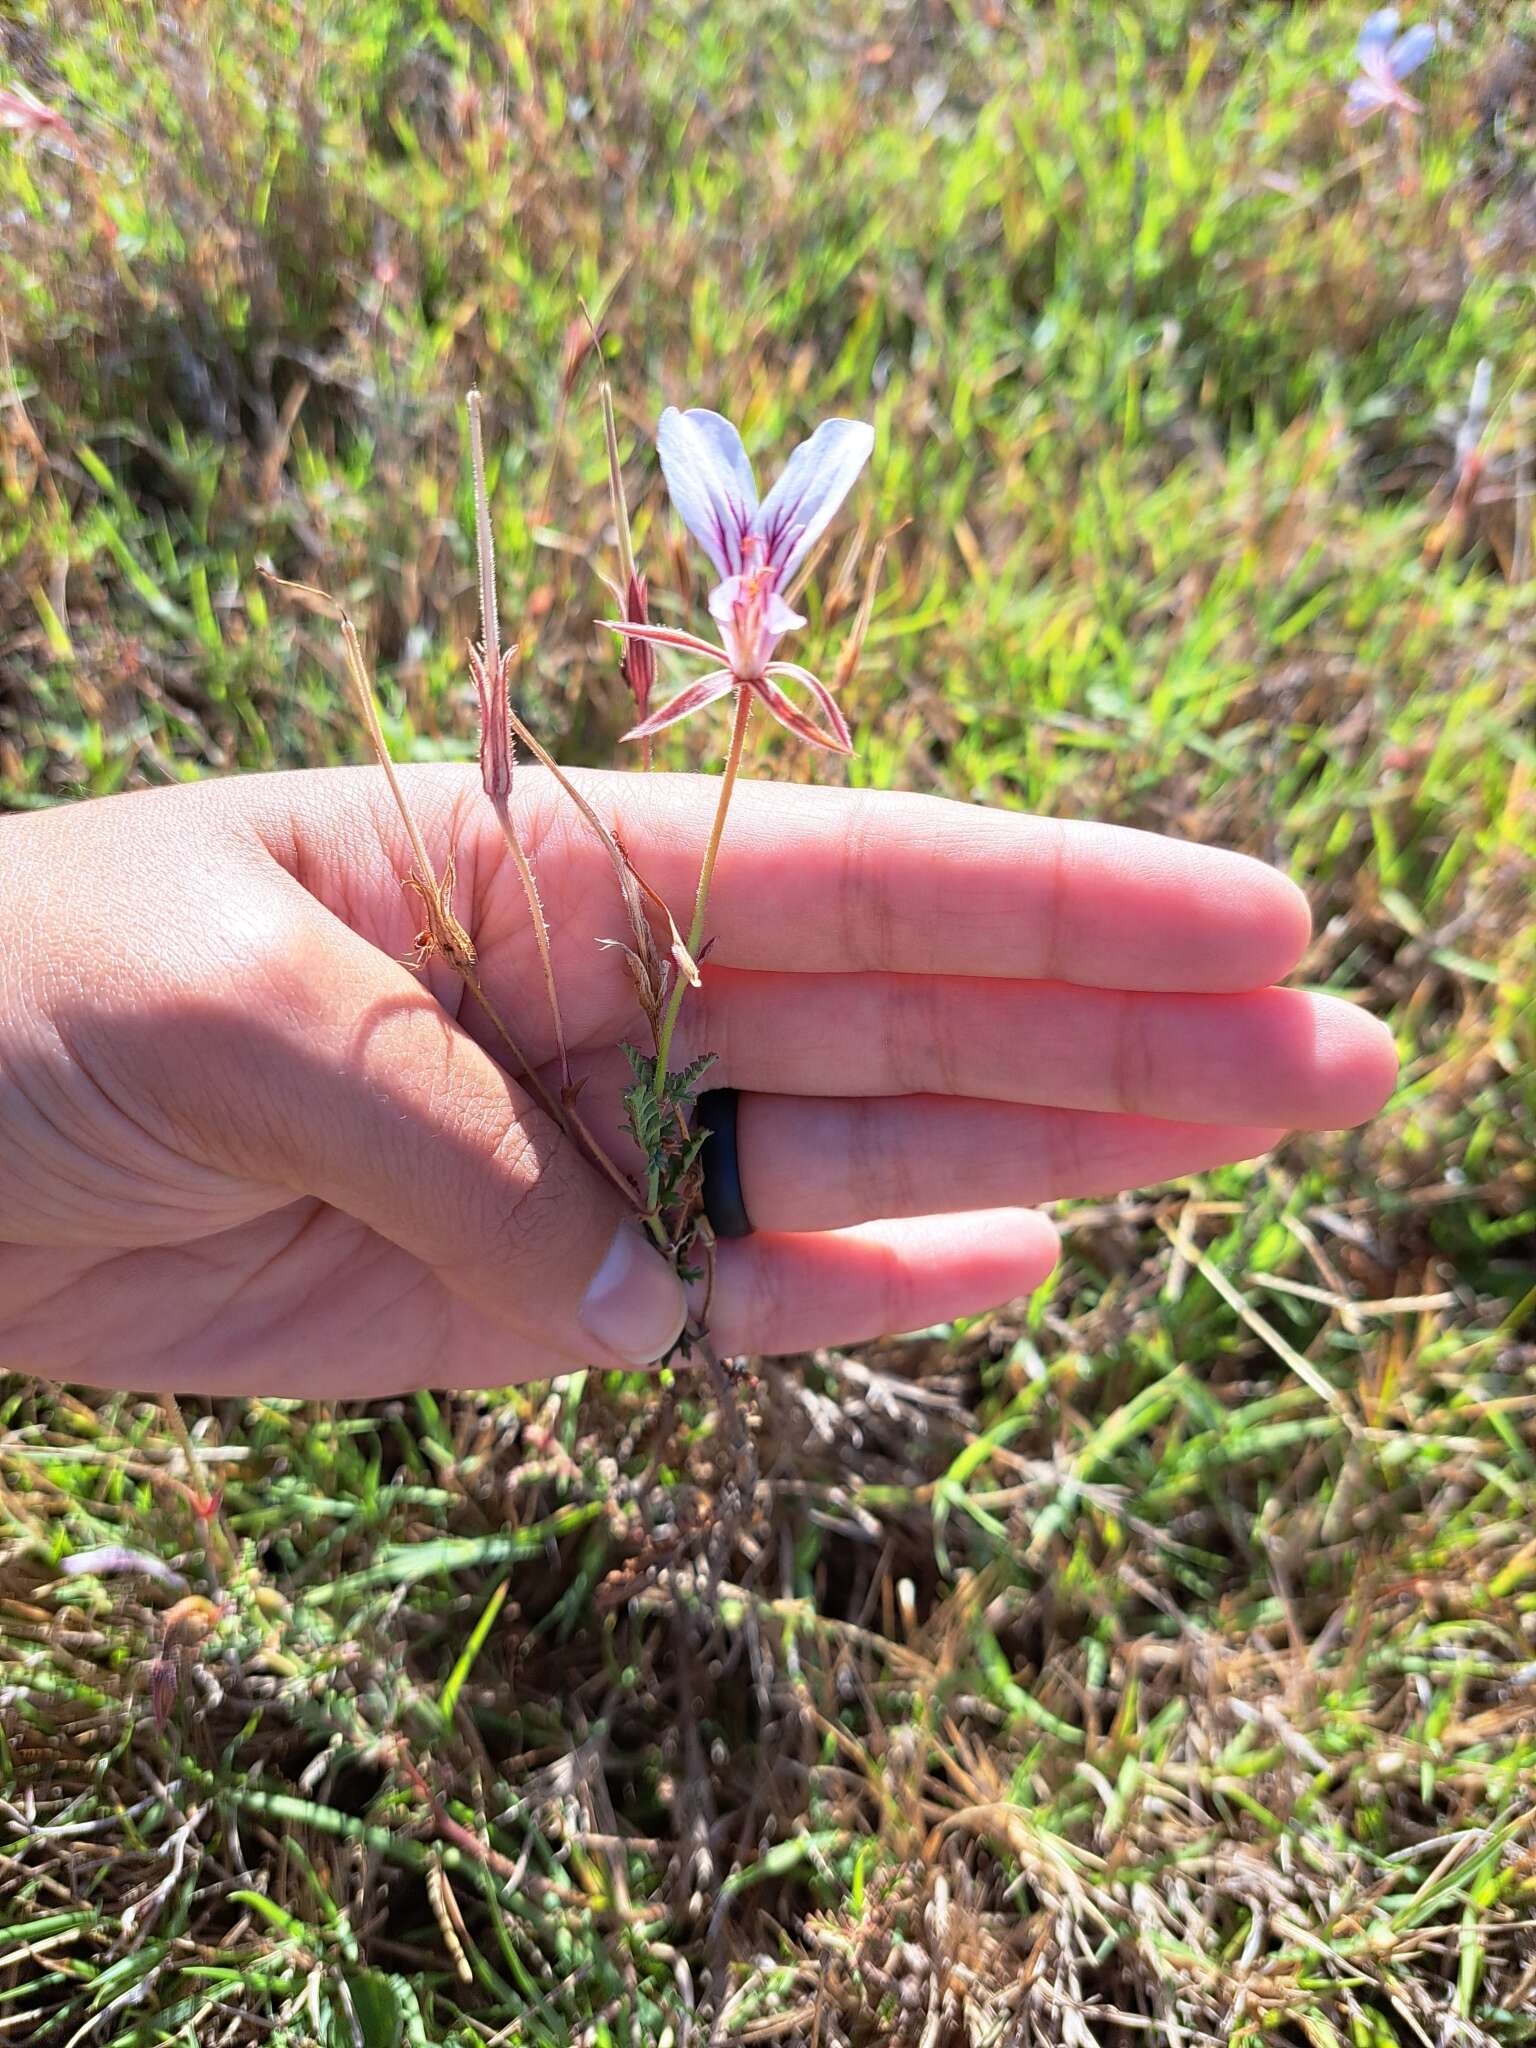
<point>1386,59</point>
<point>24,115</point>
<point>756,549</point>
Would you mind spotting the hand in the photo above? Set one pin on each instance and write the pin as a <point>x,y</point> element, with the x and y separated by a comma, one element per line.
<point>243,1147</point>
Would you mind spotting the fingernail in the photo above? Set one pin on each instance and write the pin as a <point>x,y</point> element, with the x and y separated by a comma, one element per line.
<point>634,1304</point>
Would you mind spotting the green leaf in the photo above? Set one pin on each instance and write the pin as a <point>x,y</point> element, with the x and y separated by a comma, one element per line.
<point>683,1083</point>
<point>454,1683</point>
<point>406,1564</point>
<point>275,1916</point>
<point>377,2006</point>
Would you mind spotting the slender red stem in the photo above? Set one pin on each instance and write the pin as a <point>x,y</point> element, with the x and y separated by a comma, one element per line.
<point>706,877</point>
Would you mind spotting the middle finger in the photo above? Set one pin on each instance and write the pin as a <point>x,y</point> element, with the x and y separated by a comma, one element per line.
<point>1278,1057</point>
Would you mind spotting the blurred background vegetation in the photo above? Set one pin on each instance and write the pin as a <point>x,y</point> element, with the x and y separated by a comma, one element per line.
<point>1152,1661</point>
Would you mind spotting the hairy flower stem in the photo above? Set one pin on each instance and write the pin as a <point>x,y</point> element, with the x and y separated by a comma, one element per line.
<point>616,497</point>
<point>445,936</point>
<point>706,876</point>
<point>485,552</point>
<point>615,468</point>
<point>541,937</point>
<point>448,937</point>
<point>490,656</point>
<point>571,1120</point>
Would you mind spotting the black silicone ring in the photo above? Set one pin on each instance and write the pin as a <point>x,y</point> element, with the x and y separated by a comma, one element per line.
<point>723,1202</point>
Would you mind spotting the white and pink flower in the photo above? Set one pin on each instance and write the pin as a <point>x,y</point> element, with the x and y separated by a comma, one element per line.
<point>1386,59</point>
<point>755,547</point>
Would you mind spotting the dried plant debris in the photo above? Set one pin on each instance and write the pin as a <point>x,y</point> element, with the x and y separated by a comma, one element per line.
<point>1005,1697</point>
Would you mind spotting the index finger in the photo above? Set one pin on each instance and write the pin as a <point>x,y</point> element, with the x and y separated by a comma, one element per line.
<point>833,881</point>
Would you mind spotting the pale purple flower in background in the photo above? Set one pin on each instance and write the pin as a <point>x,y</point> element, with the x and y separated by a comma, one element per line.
<point>1386,59</point>
<point>756,549</point>
<point>109,1558</point>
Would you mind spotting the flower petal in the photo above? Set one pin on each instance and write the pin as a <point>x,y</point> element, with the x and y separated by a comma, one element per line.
<point>778,616</point>
<point>1411,49</point>
<point>716,684</point>
<point>710,481</point>
<point>816,479</point>
<point>1364,99</point>
<point>1374,91</point>
<point>836,741</point>
<point>722,600</point>
<point>663,636</point>
<point>1377,31</point>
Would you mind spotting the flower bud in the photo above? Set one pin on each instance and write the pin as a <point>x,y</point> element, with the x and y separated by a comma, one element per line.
<point>639,664</point>
<point>496,755</point>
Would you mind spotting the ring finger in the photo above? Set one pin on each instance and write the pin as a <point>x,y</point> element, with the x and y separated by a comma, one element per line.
<point>812,1163</point>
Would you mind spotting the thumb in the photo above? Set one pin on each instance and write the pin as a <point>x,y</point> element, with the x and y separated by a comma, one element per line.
<point>357,1088</point>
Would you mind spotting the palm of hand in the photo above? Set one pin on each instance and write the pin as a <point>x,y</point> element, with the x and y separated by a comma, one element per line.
<point>242,1145</point>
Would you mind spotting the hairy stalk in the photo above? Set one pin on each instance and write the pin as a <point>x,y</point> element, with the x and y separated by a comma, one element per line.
<point>706,876</point>
<point>541,938</point>
<point>645,962</point>
<point>573,1118</point>
<point>491,658</point>
<point>485,552</point>
<point>362,690</point>
<point>424,876</point>
<point>444,933</point>
<point>554,458</point>
<point>615,474</point>
<point>616,495</point>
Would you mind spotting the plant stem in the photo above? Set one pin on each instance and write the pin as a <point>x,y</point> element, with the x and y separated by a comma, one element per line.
<point>565,1116</point>
<point>706,876</point>
<point>540,934</point>
<point>485,552</point>
<point>616,493</point>
<point>451,940</point>
<point>615,471</point>
<point>495,671</point>
<point>623,865</point>
<point>362,686</point>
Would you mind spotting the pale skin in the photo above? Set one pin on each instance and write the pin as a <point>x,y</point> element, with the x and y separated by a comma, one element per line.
<point>245,1148</point>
